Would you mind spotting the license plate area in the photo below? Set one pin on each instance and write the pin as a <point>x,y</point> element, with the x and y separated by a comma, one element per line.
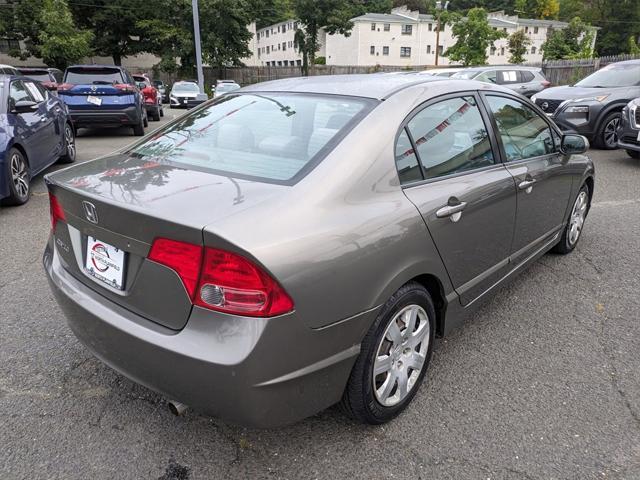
<point>105,263</point>
<point>94,100</point>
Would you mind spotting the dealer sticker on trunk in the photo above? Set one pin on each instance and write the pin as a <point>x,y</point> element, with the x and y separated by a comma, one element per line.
<point>105,262</point>
<point>95,100</point>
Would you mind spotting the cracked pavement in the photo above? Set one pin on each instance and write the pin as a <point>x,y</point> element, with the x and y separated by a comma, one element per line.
<point>542,384</point>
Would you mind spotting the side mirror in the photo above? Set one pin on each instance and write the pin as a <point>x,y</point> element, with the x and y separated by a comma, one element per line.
<point>24,106</point>
<point>573,144</point>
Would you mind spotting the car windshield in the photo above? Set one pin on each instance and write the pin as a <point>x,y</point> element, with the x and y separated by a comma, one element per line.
<point>39,76</point>
<point>158,83</point>
<point>89,76</point>
<point>227,87</point>
<point>186,87</point>
<point>270,137</point>
<point>615,75</point>
<point>465,74</point>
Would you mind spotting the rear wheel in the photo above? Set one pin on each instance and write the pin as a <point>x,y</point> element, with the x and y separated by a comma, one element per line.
<point>156,115</point>
<point>607,138</point>
<point>575,223</point>
<point>161,110</point>
<point>393,359</point>
<point>17,172</point>
<point>138,130</point>
<point>145,120</point>
<point>633,153</point>
<point>70,145</point>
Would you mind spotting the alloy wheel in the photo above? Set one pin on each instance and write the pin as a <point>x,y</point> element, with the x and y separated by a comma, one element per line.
<point>578,215</point>
<point>611,132</point>
<point>19,175</point>
<point>70,142</point>
<point>400,356</point>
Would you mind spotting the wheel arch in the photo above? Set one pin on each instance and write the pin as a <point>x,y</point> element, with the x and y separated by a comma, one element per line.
<point>615,107</point>
<point>22,150</point>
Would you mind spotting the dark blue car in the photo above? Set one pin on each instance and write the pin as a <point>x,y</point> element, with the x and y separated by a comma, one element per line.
<point>103,96</point>
<point>35,131</point>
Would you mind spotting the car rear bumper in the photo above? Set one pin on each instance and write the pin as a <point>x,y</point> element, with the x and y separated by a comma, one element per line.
<point>255,372</point>
<point>97,117</point>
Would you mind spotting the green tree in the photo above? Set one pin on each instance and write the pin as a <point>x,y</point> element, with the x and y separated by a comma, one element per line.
<point>268,12</point>
<point>21,20</point>
<point>332,15</point>
<point>571,42</point>
<point>473,36</point>
<point>61,43</point>
<point>547,8</point>
<point>518,43</point>
<point>634,49</point>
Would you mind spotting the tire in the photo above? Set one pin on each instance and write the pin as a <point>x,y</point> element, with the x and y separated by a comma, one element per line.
<point>156,115</point>
<point>145,119</point>
<point>378,404</point>
<point>570,237</point>
<point>607,137</point>
<point>138,130</point>
<point>69,155</point>
<point>17,171</point>
<point>161,111</point>
<point>633,153</point>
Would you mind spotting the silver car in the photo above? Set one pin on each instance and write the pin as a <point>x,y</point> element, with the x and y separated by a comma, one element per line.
<point>526,81</point>
<point>301,243</point>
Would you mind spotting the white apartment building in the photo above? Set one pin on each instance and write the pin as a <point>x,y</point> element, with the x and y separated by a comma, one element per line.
<point>407,38</point>
<point>274,45</point>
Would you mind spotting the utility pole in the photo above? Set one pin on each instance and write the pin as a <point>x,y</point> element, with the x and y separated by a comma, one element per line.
<point>440,8</point>
<point>196,37</point>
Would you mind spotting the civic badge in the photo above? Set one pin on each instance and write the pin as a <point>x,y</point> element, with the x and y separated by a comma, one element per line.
<point>90,211</point>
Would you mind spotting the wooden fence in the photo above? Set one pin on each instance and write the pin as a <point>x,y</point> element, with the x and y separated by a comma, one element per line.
<point>558,72</point>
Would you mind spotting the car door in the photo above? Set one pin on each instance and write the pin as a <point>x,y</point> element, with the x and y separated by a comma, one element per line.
<point>530,150</point>
<point>448,165</point>
<point>509,79</point>
<point>28,125</point>
<point>527,85</point>
<point>48,129</point>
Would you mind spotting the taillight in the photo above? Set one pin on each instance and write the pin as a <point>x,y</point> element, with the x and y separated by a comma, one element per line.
<point>50,86</point>
<point>65,86</point>
<point>545,83</point>
<point>184,258</point>
<point>56,211</point>
<point>125,87</point>
<point>221,280</point>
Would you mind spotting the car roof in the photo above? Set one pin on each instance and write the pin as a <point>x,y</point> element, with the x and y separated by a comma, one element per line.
<point>372,85</point>
<point>500,67</point>
<point>628,62</point>
<point>91,65</point>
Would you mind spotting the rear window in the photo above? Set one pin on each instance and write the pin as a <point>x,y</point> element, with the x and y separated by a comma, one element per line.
<point>186,87</point>
<point>614,75</point>
<point>465,74</point>
<point>269,137</point>
<point>41,76</point>
<point>90,76</point>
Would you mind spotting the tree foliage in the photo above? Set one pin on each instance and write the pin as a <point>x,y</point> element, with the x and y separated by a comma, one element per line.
<point>517,44</point>
<point>473,36</point>
<point>548,9</point>
<point>571,42</point>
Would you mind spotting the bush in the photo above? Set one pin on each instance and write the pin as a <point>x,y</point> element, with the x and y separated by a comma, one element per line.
<point>320,61</point>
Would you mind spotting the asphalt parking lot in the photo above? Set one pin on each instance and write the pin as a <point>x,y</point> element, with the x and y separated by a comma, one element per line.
<point>543,384</point>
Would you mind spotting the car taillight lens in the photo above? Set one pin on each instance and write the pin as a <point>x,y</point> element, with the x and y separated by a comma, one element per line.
<point>545,83</point>
<point>125,87</point>
<point>221,280</point>
<point>65,86</point>
<point>184,258</point>
<point>56,211</point>
<point>50,85</point>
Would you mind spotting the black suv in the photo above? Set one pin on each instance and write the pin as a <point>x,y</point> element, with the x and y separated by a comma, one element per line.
<point>592,107</point>
<point>629,131</point>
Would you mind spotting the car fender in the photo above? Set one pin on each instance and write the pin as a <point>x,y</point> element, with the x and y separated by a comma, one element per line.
<point>617,105</point>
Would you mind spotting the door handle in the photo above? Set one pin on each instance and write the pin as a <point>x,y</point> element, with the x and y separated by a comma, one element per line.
<point>451,210</point>
<point>527,185</point>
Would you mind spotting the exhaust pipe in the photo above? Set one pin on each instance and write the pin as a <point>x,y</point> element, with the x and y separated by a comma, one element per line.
<point>177,408</point>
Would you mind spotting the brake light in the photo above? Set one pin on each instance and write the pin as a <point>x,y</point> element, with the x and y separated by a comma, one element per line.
<point>545,83</point>
<point>125,87</point>
<point>65,86</point>
<point>50,85</point>
<point>56,211</point>
<point>184,258</point>
<point>221,280</point>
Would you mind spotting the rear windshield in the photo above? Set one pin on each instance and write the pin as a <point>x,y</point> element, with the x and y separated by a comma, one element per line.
<point>90,76</point>
<point>186,87</point>
<point>41,77</point>
<point>269,137</point>
<point>620,75</point>
<point>465,74</point>
<point>227,87</point>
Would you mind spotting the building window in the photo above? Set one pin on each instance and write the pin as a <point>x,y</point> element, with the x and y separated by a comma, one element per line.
<point>284,46</point>
<point>295,26</point>
<point>267,32</point>
<point>385,50</point>
<point>372,50</point>
<point>428,48</point>
<point>387,27</point>
<point>535,29</point>
<point>373,26</point>
<point>405,51</point>
<point>502,51</point>
<point>298,62</point>
<point>267,49</point>
<point>284,28</point>
<point>493,50</point>
<point>431,27</point>
<point>279,63</point>
<point>533,50</point>
<point>504,29</point>
<point>440,50</point>
<point>407,29</point>
<point>526,29</point>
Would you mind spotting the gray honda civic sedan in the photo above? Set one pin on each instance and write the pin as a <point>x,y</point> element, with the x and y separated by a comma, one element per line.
<point>300,243</point>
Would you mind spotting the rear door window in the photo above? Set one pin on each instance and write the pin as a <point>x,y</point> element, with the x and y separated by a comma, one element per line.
<point>526,76</point>
<point>524,133</point>
<point>270,137</point>
<point>406,160</point>
<point>91,76</point>
<point>450,137</point>
<point>507,76</point>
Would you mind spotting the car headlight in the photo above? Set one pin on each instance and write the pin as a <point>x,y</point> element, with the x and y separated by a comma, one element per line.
<point>578,109</point>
